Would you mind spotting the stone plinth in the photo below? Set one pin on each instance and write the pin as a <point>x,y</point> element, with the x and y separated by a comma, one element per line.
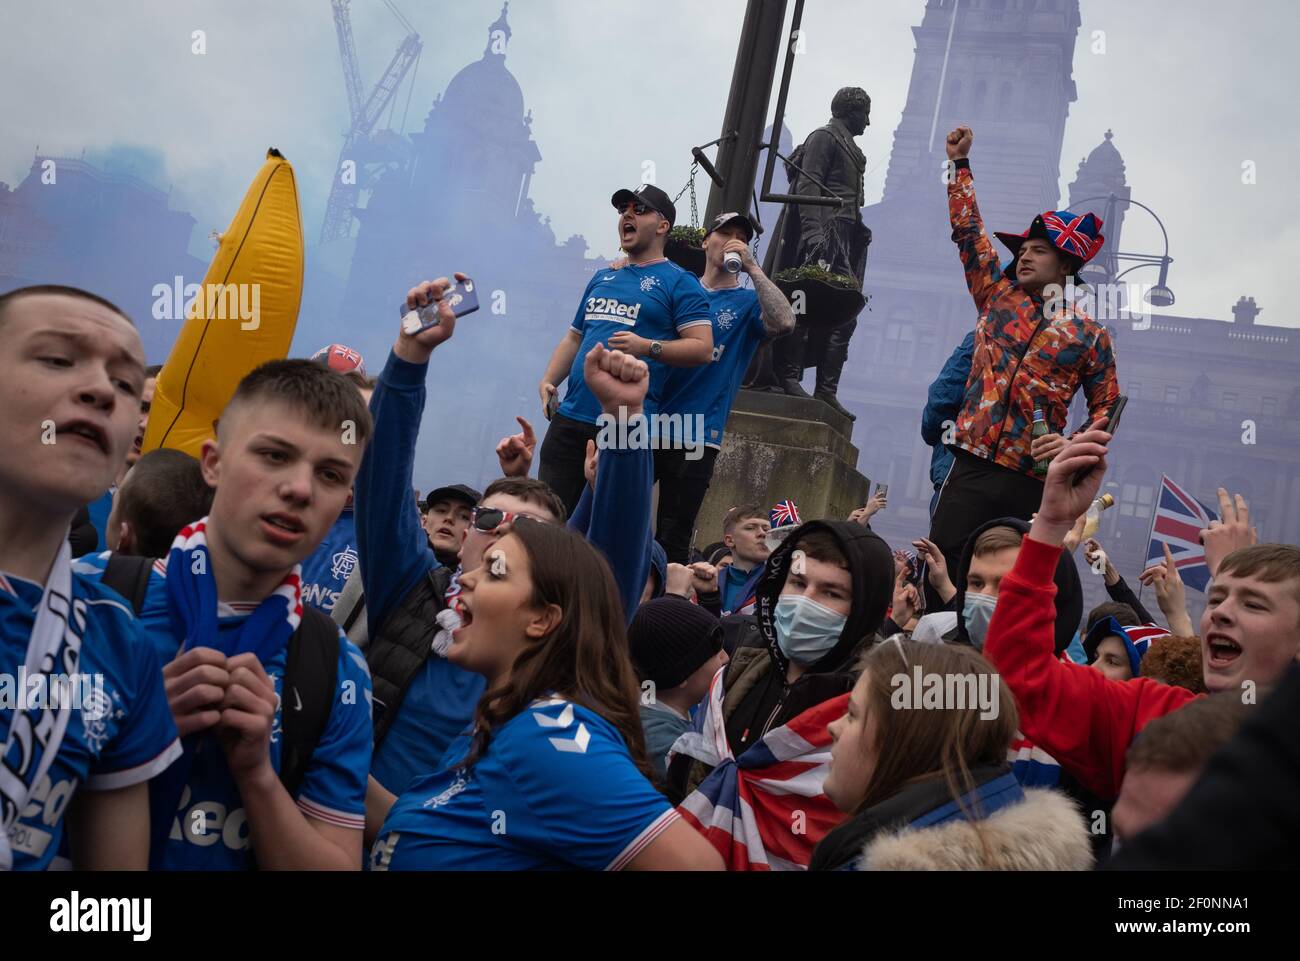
<point>778,447</point>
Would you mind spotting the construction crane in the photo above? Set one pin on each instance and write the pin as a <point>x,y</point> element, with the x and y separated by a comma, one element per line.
<point>365,113</point>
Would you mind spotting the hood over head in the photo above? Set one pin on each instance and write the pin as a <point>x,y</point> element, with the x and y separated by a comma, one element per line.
<point>871,573</point>
<point>1069,591</point>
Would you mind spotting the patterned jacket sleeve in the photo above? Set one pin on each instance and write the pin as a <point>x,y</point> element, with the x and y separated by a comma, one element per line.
<point>980,260</point>
<point>1100,384</point>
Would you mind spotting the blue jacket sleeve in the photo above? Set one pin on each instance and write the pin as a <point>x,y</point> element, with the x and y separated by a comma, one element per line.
<point>620,519</point>
<point>580,520</point>
<point>943,402</point>
<point>393,548</point>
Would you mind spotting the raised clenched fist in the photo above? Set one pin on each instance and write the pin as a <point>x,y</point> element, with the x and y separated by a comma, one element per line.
<point>958,143</point>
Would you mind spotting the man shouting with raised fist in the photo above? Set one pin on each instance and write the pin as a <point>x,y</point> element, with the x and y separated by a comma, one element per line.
<point>1033,347</point>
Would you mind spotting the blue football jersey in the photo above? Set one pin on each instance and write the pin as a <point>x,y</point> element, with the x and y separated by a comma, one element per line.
<point>656,301</point>
<point>437,707</point>
<point>201,823</point>
<point>99,509</point>
<point>556,790</point>
<point>328,567</point>
<point>708,391</point>
<point>120,735</point>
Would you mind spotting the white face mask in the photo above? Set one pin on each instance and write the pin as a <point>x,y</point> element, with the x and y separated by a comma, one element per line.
<point>805,630</point>
<point>977,612</point>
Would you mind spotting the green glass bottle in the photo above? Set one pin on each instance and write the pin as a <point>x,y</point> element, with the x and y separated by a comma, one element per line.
<point>1040,429</point>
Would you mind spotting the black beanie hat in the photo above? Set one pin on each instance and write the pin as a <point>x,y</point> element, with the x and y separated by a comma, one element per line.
<point>669,638</point>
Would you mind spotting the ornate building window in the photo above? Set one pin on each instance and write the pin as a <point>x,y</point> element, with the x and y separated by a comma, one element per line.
<point>1268,406</point>
<point>1137,494</point>
<point>952,100</point>
<point>1171,395</point>
<point>897,348</point>
<point>1229,400</point>
<point>1005,101</point>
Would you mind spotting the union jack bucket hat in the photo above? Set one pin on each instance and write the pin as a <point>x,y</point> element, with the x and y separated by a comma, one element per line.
<point>1078,235</point>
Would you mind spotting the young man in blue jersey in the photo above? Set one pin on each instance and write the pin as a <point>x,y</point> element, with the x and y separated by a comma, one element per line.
<point>222,608</point>
<point>651,308</point>
<point>102,506</point>
<point>326,571</point>
<point>743,316</point>
<point>163,492</point>
<point>69,407</point>
<point>745,531</point>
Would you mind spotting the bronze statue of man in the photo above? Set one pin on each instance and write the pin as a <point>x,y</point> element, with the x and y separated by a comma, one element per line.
<point>828,163</point>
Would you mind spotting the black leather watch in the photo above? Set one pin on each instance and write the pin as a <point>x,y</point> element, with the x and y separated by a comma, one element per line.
<point>656,348</point>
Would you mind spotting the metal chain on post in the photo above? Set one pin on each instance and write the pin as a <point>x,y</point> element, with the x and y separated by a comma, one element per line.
<point>690,185</point>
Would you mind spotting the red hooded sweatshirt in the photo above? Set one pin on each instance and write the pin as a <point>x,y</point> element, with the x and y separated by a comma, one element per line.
<point>1083,719</point>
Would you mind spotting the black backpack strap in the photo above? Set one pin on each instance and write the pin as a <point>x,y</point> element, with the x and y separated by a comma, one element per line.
<point>307,694</point>
<point>129,576</point>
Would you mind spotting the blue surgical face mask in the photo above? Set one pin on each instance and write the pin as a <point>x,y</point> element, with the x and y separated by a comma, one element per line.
<point>805,630</point>
<point>977,613</point>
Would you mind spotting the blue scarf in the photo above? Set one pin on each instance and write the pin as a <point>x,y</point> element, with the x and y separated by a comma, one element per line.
<point>192,603</point>
<point>979,803</point>
<point>192,609</point>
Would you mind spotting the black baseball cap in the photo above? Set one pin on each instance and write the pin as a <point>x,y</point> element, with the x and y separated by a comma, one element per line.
<point>453,492</point>
<point>732,218</point>
<point>651,196</point>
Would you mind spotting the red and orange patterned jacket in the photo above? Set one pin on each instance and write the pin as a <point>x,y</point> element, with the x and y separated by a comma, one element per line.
<point>1020,355</point>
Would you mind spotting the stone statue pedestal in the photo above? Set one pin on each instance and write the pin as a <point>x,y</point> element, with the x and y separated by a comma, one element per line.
<point>778,447</point>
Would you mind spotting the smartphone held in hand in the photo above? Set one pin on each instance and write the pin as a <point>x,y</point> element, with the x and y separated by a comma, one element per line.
<point>1111,427</point>
<point>461,297</point>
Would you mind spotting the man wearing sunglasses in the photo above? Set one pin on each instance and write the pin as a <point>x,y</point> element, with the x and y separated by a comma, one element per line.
<point>651,309</point>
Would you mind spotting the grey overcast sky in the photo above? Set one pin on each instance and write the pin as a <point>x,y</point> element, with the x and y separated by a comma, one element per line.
<point>1191,88</point>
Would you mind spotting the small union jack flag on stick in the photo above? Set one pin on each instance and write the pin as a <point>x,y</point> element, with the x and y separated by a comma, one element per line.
<point>785,512</point>
<point>1178,521</point>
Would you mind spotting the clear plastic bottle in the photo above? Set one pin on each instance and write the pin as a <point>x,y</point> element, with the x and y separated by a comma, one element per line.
<point>1094,514</point>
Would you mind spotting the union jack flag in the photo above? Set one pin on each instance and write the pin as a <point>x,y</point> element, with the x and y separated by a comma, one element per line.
<point>341,358</point>
<point>1178,521</point>
<point>766,810</point>
<point>1071,237</point>
<point>1143,634</point>
<point>786,512</point>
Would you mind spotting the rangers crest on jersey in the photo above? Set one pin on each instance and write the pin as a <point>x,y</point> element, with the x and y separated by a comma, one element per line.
<point>344,561</point>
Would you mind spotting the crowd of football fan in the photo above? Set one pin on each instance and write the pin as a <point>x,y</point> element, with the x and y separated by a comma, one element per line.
<point>296,661</point>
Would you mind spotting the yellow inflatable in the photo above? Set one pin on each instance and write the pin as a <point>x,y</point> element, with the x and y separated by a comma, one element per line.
<point>243,315</point>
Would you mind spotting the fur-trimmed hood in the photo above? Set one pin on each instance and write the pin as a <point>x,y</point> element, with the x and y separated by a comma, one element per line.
<point>1044,832</point>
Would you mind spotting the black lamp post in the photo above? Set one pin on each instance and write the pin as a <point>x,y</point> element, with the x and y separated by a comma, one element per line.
<point>1100,271</point>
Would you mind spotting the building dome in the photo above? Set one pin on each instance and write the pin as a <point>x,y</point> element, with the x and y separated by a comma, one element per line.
<point>485,87</point>
<point>1105,159</point>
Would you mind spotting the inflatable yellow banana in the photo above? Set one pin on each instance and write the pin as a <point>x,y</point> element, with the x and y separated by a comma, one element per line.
<point>243,315</point>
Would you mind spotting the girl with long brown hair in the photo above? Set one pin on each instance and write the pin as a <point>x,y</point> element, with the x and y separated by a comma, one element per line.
<point>919,761</point>
<point>554,773</point>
